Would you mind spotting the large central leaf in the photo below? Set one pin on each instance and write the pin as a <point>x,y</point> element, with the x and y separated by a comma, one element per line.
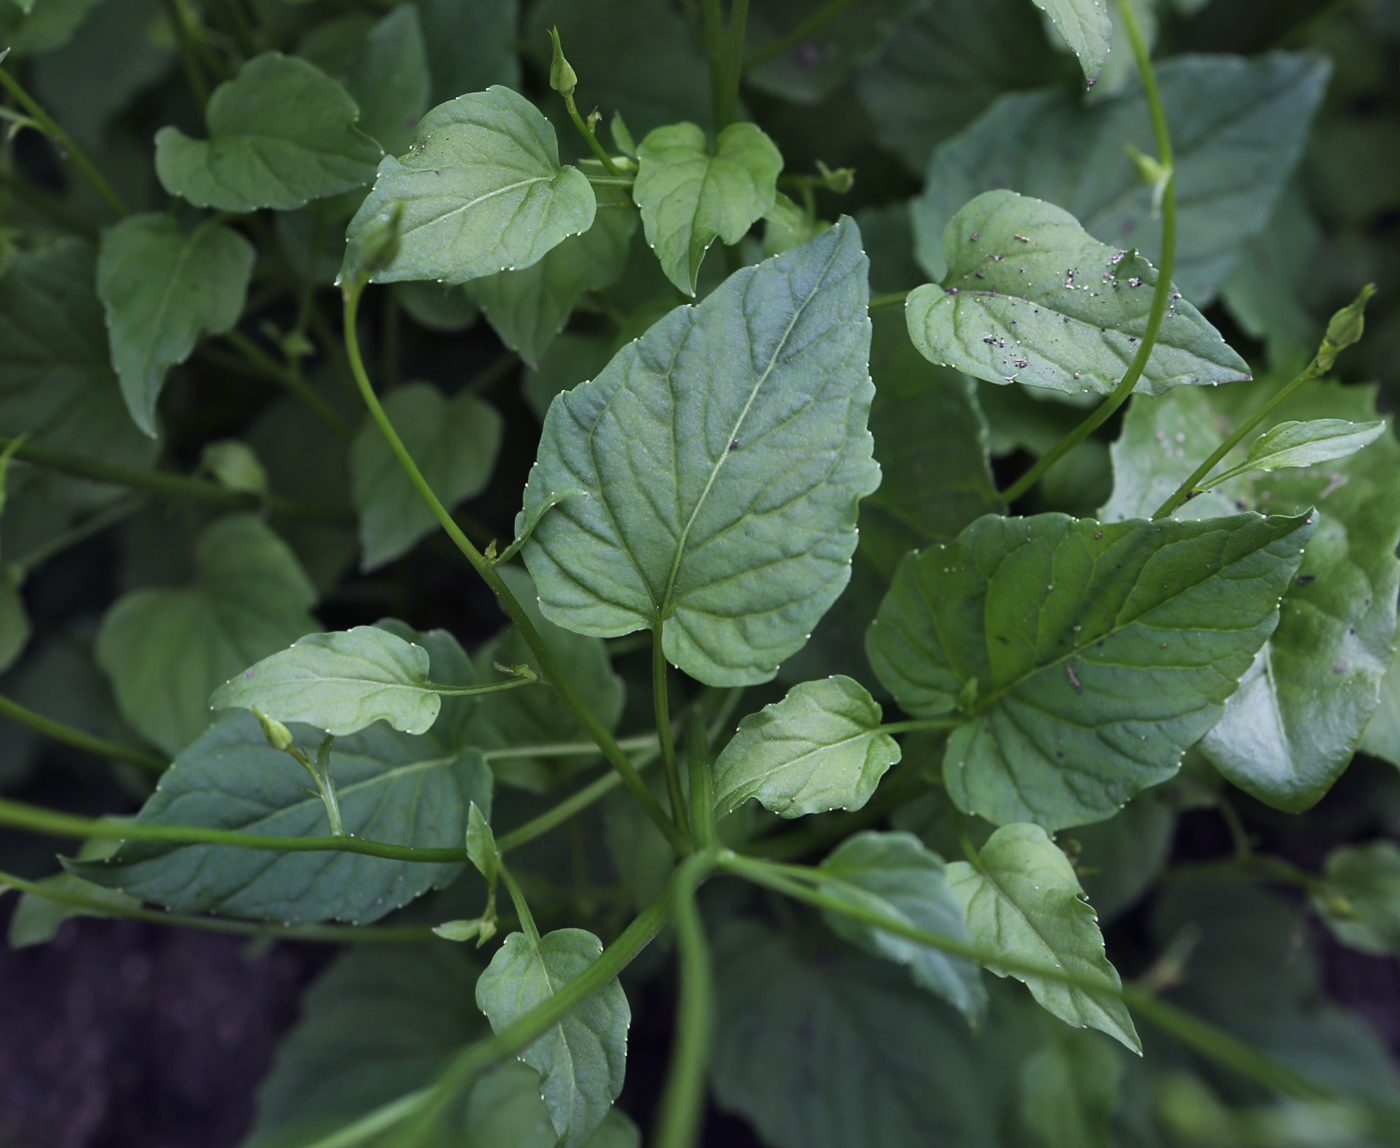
<point>1086,657</point>
<point>706,482</point>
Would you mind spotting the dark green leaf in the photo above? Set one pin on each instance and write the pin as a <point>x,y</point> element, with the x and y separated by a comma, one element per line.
<point>1237,129</point>
<point>819,748</point>
<point>1099,653</point>
<point>1029,296</point>
<point>1024,901</point>
<point>1087,29</point>
<point>1069,1089</point>
<point>1363,910</point>
<point>454,442</point>
<point>161,287</point>
<point>470,46</point>
<point>1119,859</point>
<point>36,918</point>
<point>689,195</point>
<point>437,306</point>
<point>582,1059</point>
<point>167,649</point>
<point>899,877</point>
<point>481,190</point>
<point>280,133</point>
<point>1382,734</point>
<point>386,74</point>
<point>723,454</point>
<point>571,359</point>
<point>391,787</point>
<point>339,683</point>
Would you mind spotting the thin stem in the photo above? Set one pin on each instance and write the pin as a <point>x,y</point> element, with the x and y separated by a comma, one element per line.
<point>65,144</point>
<point>80,739</point>
<point>522,907</point>
<point>544,657</point>
<point>566,809</point>
<point>167,484</point>
<point>474,691</point>
<point>789,40</point>
<point>592,140</point>
<point>290,378</point>
<point>184,41</point>
<point>893,299</point>
<point>107,516</point>
<point>1161,295</point>
<point>714,51</point>
<point>330,934</point>
<point>682,1102</point>
<point>733,63</point>
<point>663,732</point>
<point>1192,486</point>
<point>641,743</point>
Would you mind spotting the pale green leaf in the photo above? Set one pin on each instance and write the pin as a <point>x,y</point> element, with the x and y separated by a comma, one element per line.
<point>723,455</point>
<point>167,649</point>
<point>454,442</point>
<point>530,306</point>
<point>897,876</point>
<point>1362,902</point>
<point>481,190</point>
<point>161,287</point>
<point>1291,728</point>
<point>690,196</point>
<point>1023,901</point>
<point>1308,443</point>
<point>1069,1091</point>
<point>819,748</point>
<point>873,1059</point>
<point>1087,29</point>
<point>1030,297</point>
<point>281,133</point>
<point>391,787</point>
<point>1237,126</point>
<point>339,682</point>
<point>1099,652</point>
<point>582,1059</point>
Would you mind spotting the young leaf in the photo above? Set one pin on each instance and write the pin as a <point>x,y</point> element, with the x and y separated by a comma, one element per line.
<point>339,683</point>
<point>689,196</point>
<point>167,649</point>
<point>1290,729</point>
<point>481,190</point>
<point>454,442</point>
<point>1029,296</point>
<point>723,455</point>
<point>819,748</point>
<point>530,306</point>
<point>161,287</point>
<point>1237,130</point>
<point>481,846</point>
<point>1087,29</point>
<point>875,1060</point>
<point>1024,900</point>
<point>1100,652</point>
<point>1308,443</point>
<point>391,787</point>
<point>901,878</point>
<point>582,1059</point>
<point>1362,903</point>
<point>281,132</point>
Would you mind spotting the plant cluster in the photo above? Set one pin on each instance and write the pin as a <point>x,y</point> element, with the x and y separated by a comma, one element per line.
<point>829,774</point>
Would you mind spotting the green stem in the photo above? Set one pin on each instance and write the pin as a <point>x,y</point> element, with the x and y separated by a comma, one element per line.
<point>1161,296</point>
<point>790,40</point>
<point>1192,486</point>
<point>329,934</point>
<point>893,299</point>
<point>184,41</point>
<point>290,378</point>
<point>80,739</point>
<point>522,907</point>
<point>594,146</point>
<point>65,144</point>
<point>167,484</point>
<point>474,691</point>
<point>733,63</point>
<point>544,657</point>
<point>641,743</point>
<point>664,735</point>
<point>107,516</point>
<point>714,52</point>
<point>678,1125</point>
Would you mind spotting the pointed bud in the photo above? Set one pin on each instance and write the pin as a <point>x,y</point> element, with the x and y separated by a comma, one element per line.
<point>278,736</point>
<point>380,246</point>
<point>562,77</point>
<point>1347,327</point>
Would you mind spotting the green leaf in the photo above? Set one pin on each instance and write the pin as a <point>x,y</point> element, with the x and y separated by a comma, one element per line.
<point>340,683</point>
<point>1069,1090</point>
<point>481,190</point>
<point>899,877</point>
<point>874,1060</point>
<point>1308,443</point>
<point>1024,901</point>
<point>819,748</point>
<point>505,1110</point>
<point>161,287</point>
<point>1237,130</point>
<point>582,1059</point>
<point>1030,297</point>
<point>1087,29</point>
<point>36,918</point>
<point>167,649</point>
<point>454,442</point>
<point>1382,734</point>
<point>391,787</point>
<point>1100,651</point>
<point>530,306</point>
<point>437,306</point>
<point>1121,858</point>
<point>723,454</point>
<point>1290,730</point>
<point>1363,910</point>
<point>481,846</point>
<point>470,46</point>
<point>281,133</point>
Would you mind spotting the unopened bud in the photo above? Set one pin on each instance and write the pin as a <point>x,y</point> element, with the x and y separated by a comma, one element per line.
<point>840,180</point>
<point>1347,327</point>
<point>380,246</point>
<point>562,77</point>
<point>278,736</point>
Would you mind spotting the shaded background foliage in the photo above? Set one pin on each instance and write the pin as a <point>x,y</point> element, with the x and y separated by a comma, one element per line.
<point>122,1034</point>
